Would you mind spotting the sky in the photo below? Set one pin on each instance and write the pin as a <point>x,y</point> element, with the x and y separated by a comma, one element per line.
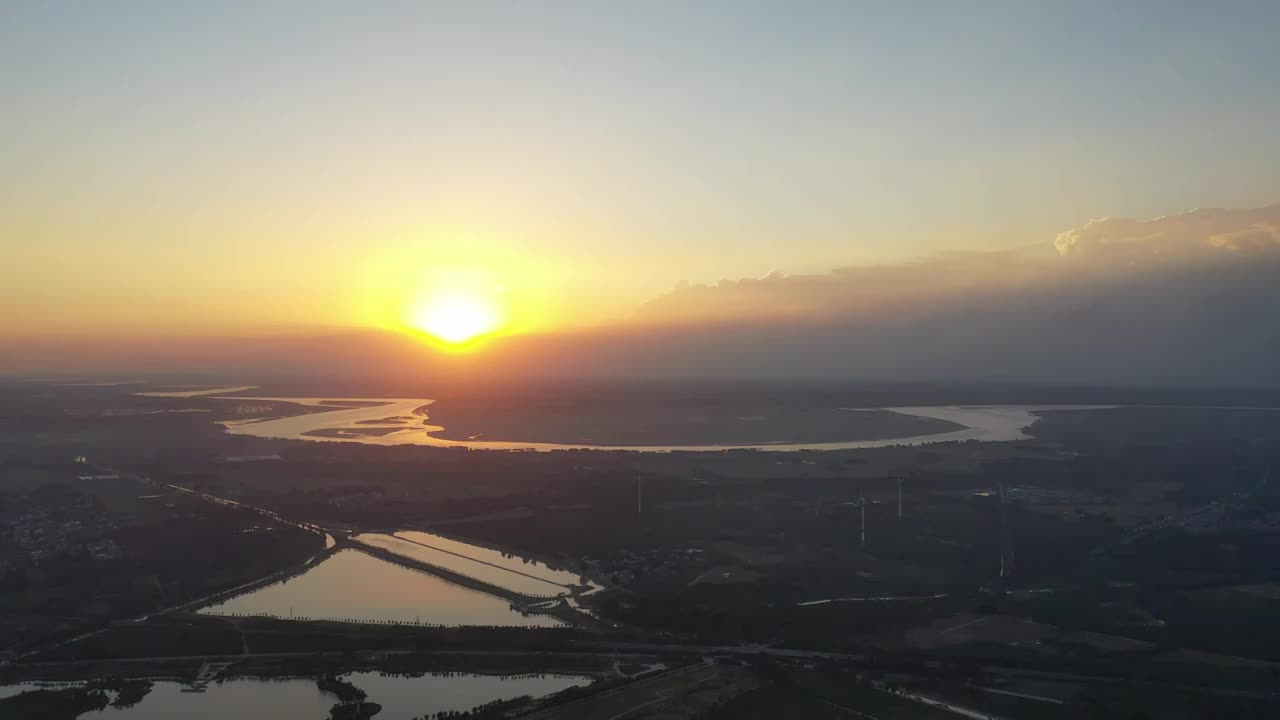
<point>181,168</point>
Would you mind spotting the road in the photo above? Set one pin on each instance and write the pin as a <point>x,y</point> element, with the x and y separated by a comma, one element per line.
<point>608,649</point>
<point>273,577</point>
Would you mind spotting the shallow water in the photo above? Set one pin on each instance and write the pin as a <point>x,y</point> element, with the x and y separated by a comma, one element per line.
<point>19,688</point>
<point>495,557</point>
<point>240,698</point>
<point>353,586</point>
<point>498,576</point>
<point>195,393</point>
<point>985,423</point>
<point>404,698</point>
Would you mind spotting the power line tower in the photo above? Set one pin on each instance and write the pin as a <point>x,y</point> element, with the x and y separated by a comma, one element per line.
<point>1003,532</point>
<point>862,512</point>
<point>639,493</point>
<point>899,481</point>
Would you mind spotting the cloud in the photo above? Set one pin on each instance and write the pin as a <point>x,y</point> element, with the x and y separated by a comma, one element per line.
<point>1106,250</point>
<point>1255,238</point>
<point>1196,232</point>
<point>1188,298</point>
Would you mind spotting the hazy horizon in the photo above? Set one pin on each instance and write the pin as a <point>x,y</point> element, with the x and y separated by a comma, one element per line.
<point>715,360</point>
<point>674,191</point>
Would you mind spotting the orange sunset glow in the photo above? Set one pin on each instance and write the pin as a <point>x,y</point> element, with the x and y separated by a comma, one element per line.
<point>661,360</point>
<point>635,202</point>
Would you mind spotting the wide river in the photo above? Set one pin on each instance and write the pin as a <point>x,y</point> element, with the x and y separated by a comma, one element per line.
<point>403,421</point>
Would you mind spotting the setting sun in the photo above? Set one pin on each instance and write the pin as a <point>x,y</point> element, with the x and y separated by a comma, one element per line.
<point>455,319</point>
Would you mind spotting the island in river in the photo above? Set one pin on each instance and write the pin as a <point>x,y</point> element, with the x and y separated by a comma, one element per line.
<point>675,424</point>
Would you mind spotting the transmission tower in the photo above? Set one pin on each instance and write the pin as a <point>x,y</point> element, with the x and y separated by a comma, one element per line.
<point>1003,531</point>
<point>862,512</point>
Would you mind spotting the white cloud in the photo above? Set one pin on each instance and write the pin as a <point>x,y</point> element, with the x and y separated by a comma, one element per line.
<point>1176,235</point>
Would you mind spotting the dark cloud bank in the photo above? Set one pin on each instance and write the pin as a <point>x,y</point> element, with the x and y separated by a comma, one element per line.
<point>1191,298</point>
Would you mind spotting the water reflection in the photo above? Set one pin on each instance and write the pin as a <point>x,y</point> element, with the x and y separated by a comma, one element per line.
<point>494,557</point>
<point>353,586</point>
<point>516,581</point>
<point>986,423</point>
<point>402,697</point>
<point>240,698</point>
<point>19,688</point>
<point>405,697</point>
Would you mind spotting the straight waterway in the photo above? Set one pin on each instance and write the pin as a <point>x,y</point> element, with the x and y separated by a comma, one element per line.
<point>509,561</point>
<point>492,574</point>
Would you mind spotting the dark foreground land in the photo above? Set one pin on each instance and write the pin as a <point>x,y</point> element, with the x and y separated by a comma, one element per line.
<point>1131,570</point>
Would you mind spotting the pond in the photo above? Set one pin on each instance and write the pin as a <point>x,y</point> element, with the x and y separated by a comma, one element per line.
<point>403,697</point>
<point>355,587</point>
